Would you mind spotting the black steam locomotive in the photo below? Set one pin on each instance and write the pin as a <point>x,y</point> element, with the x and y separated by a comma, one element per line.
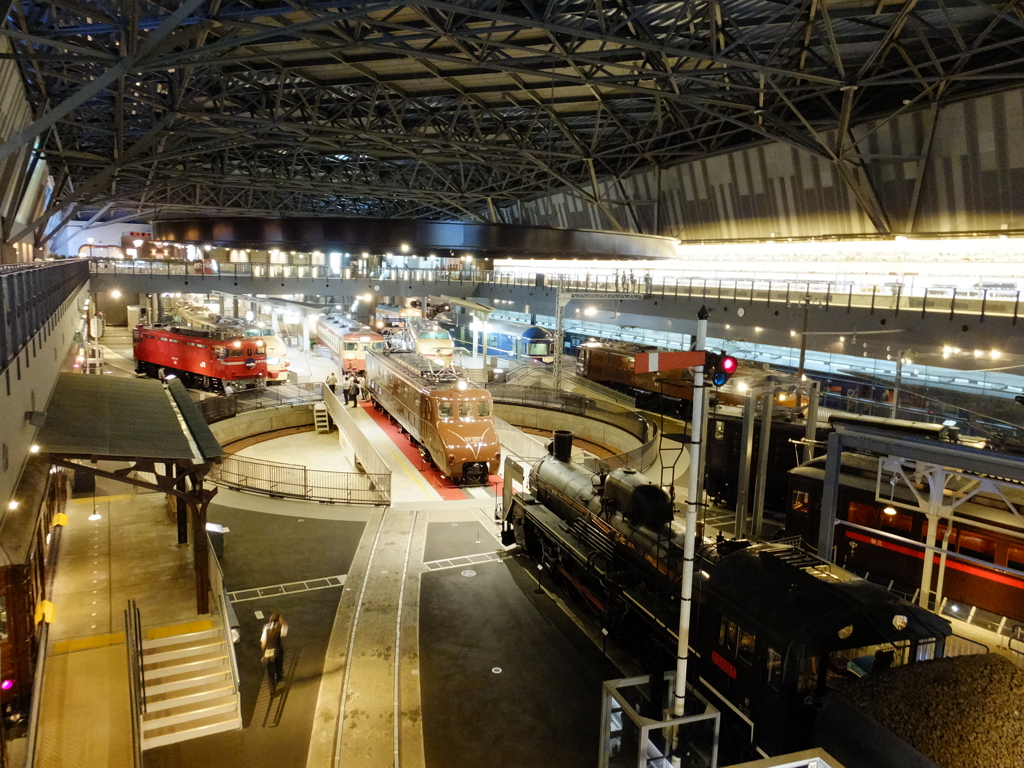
<point>775,628</point>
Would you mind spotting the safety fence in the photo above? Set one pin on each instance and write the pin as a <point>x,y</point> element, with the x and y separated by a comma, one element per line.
<point>295,481</point>
<point>216,409</point>
<point>836,295</point>
<point>514,440</point>
<point>32,299</point>
<point>136,678</point>
<point>587,407</point>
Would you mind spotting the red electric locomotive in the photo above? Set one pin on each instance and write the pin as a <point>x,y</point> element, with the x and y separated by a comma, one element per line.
<point>207,359</point>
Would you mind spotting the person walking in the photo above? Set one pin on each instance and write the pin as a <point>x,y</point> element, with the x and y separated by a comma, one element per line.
<point>332,381</point>
<point>272,645</point>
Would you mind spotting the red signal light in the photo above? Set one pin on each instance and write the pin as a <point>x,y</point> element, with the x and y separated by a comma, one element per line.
<point>727,364</point>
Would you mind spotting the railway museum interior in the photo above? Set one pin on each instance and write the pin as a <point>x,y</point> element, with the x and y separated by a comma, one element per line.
<point>444,385</point>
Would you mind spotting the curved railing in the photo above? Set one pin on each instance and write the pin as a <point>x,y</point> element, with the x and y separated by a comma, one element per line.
<point>623,418</point>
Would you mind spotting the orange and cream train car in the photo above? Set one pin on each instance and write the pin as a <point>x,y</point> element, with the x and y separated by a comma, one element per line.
<point>449,421</point>
<point>349,346</point>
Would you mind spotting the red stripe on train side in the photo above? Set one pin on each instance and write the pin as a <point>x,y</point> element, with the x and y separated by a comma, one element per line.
<point>964,567</point>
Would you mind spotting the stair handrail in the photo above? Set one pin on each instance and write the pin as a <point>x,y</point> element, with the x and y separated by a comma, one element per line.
<point>217,586</point>
<point>136,680</point>
<point>37,697</point>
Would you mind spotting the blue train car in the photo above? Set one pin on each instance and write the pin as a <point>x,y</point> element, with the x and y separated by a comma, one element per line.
<point>517,341</point>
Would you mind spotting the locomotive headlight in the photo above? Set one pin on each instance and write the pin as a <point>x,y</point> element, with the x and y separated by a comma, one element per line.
<point>350,356</point>
<point>462,385</point>
<point>238,345</point>
<point>259,343</point>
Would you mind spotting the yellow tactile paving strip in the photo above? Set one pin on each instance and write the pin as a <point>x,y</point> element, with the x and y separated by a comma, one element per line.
<point>85,643</point>
<point>159,633</point>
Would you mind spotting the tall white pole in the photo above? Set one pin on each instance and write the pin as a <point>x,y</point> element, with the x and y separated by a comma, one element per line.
<point>696,435</point>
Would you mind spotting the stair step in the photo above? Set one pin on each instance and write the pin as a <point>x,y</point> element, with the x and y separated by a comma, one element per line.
<point>183,650</point>
<point>177,682</point>
<point>197,710</point>
<point>156,702</point>
<point>195,661</point>
<point>172,734</point>
<point>182,638</point>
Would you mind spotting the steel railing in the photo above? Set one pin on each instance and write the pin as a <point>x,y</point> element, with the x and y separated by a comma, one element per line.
<point>218,589</point>
<point>622,417</point>
<point>216,409</point>
<point>298,482</point>
<point>136,677</point>
<point>366,454</point>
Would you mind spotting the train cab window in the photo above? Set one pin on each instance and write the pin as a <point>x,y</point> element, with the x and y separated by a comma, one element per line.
<point>774,668</point>
<point>236,353</point>
<point>3,617</point>
<point>350,346</point>
<point>727,635</point>
<point>745,645</point>
<point>465,410</point>
<point>800,501</point>
<point>1015,558</point>
<point>378,345</point>
<point>538,348</point>
<point>445,411</point>
<point>978,547</point>
<point>719,430</point>
<point>808,674</point>
<point>483,408</point>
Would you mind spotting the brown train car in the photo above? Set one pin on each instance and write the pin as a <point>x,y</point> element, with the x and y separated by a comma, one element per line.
<point>30,537</point>
<point>450,420</point>
<point>982,529</point>
<point>613,364</point>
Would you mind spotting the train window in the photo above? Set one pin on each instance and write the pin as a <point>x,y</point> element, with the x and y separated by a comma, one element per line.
<point>774,668</point>
<point>235,353</point>
<point>444,410</point>
<point>862,514</point>
<point>378,345</point>
<point>808,674</point>
<point>898,523</point>
<point>465,410</point>
<point>719,430</point>
<point>1015,558</point>
<point>978,547</point>
<point>745,645</point>
<point>349,346</point>
<point>800,502</point>
<point>3,617</point>
<point>727,635</point>
<point>483,408</point>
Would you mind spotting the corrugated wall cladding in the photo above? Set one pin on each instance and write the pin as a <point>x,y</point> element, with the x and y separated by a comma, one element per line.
<point>974,181</point>
<point>15,114</point>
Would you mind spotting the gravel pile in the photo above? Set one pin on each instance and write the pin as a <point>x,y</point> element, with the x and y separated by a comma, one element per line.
<point>963,712</point>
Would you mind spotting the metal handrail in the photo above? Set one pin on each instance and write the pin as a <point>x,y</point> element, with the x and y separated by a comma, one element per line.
<point>258,476</point>
<point>37,695</point>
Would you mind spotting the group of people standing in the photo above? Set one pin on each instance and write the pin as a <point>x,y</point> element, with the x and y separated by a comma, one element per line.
<point>353,387</point>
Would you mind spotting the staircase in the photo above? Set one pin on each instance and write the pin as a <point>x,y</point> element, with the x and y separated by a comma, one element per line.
<point>320,419</point>
<point>189,686</point>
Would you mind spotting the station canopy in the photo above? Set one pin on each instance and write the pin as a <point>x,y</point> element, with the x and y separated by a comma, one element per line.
<point>441,110</point>
<point>105,417</point>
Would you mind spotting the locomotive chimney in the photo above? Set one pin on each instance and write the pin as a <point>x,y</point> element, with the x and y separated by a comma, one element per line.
<point>562,445</point>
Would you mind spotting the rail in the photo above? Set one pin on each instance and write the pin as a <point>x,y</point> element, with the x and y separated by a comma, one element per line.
<point>216,409</point>
<point>838,295</point>
<point>136,677</point>
<point>32,741</point>
<point>30,294</point>
<point>294,481</point>
<point>217,587</point>
<point>615,415</point>
<point>366,454</point>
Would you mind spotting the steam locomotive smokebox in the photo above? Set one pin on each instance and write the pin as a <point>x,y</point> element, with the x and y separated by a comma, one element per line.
<point>562,445</point>
<point>638,499</point>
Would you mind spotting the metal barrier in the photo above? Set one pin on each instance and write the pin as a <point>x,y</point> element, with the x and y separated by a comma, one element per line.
<point>367,455</point>
<point>958,645</point>
<point>217,588</point>
<point>216,409</point>
<point>516,441</point>
<point>618,416</point>
<point>295,481</point>
<point>136,677</point>
<point>30,295</point>
<point>827,294</point>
